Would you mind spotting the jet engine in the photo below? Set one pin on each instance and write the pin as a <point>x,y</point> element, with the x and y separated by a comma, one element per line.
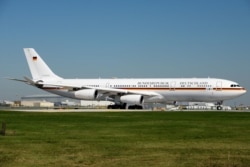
<point>86,94</point>
<point>132,99</point>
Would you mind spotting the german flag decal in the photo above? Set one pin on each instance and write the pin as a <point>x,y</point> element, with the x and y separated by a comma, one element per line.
<point>34,58</point>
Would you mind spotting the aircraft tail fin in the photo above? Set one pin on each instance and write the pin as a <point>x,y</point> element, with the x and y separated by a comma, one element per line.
<point>38,68</point>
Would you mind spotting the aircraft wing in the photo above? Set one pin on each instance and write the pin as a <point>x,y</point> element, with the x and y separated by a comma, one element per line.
<point>124,91</point>
<point>103,90</point>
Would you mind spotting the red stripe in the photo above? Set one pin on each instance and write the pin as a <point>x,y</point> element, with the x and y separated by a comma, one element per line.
<point>184,89</point>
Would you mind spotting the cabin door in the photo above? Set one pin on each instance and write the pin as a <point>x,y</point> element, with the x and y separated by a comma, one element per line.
<point>172,85</point>
<point>107,85</point>
<point>219,86</point>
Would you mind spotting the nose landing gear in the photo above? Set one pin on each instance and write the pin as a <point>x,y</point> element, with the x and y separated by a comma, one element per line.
<point>219,105</point>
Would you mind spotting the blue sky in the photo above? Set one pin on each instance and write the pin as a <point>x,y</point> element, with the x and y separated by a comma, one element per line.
<point>126,39</point>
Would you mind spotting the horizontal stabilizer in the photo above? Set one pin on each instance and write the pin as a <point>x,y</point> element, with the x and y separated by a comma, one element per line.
<point>15,79</point>
<point>26,80</point>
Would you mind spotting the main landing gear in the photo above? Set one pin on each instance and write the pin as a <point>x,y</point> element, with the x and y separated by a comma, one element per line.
<point>117,106</point>
<point>135,107</point>
<point>124,106</point>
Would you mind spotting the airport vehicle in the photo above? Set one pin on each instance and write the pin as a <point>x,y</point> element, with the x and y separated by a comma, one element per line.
<point>131,93</point>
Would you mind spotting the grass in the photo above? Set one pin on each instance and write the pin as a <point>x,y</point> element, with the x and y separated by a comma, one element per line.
<point>202,139</point>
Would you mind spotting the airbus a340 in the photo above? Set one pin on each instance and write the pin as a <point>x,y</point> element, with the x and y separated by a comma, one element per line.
<point>131,92</point>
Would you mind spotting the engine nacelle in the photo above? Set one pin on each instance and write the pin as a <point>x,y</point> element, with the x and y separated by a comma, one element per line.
<point>132,99</point>
<point>86,94</point>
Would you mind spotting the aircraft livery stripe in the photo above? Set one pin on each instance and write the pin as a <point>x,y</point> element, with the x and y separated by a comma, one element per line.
<point>170,89</point>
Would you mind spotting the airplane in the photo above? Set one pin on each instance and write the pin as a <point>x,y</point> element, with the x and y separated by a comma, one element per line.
<point>131,93</point>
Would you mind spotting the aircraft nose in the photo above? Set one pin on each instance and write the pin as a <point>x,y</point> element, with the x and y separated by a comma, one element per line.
<point>243,90</point>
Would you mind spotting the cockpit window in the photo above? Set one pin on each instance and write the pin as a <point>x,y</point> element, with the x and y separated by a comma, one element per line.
<point>234,85</point>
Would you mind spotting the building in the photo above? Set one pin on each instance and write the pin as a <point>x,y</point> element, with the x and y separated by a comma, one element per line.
<point>36,104</point>
<point>61,101</point>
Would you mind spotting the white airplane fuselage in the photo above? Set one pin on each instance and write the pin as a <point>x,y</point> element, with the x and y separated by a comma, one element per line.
<point>166,90</point>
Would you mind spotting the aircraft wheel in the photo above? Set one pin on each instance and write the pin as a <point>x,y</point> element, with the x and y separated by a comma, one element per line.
<point>219,108</point>
<point>135,107</point>
<point>116,106</point>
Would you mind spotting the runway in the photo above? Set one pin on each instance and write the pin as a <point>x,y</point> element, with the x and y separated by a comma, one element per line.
<point>107,110</point>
